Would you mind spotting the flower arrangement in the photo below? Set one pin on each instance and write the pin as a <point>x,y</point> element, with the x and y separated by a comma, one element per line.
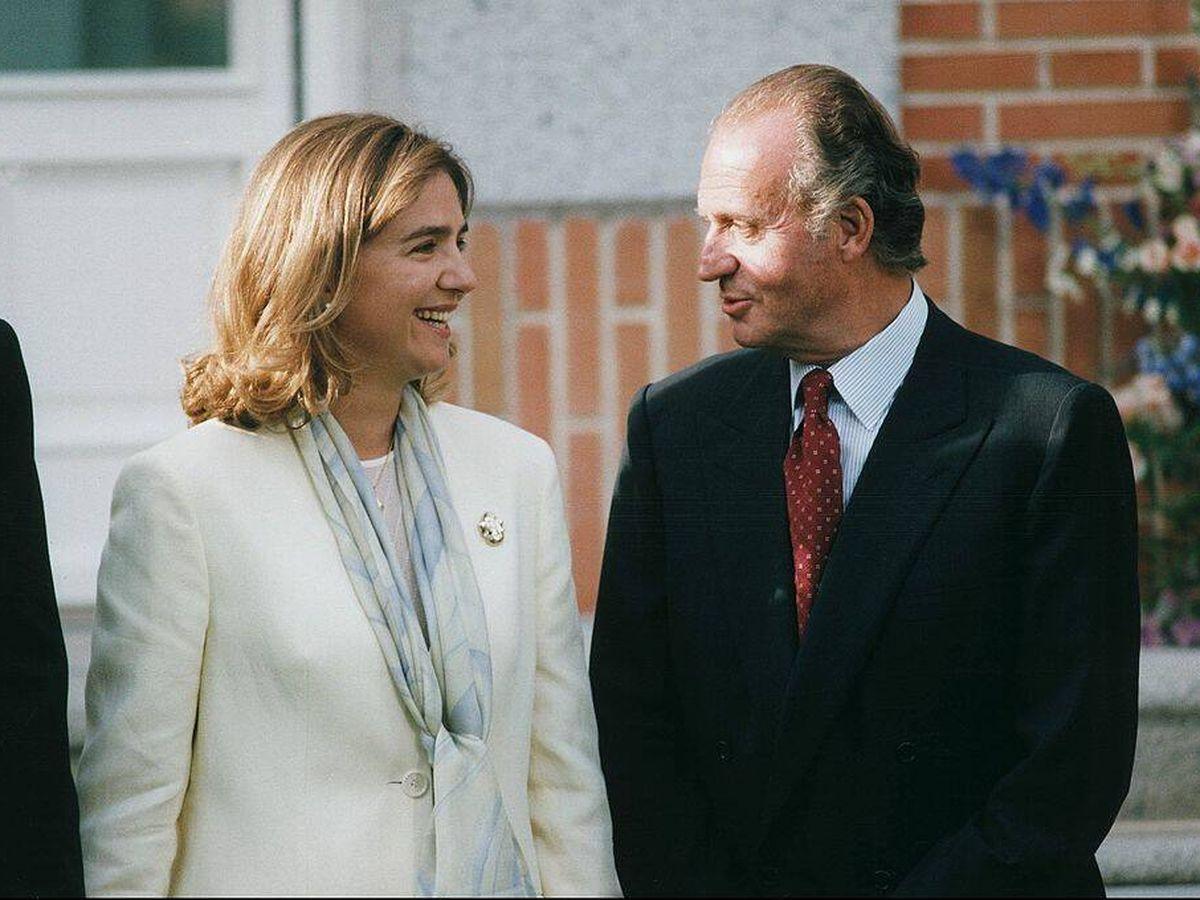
<point>1148,253</point>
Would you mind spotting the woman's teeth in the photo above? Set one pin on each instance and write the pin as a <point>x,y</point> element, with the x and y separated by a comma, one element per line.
<point>435,316</point>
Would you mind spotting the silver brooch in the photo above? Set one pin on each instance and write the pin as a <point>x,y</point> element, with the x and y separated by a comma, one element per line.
<point>491,529</point>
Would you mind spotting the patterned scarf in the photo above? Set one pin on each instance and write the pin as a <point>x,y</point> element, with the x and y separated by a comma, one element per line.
<point>445,685</point>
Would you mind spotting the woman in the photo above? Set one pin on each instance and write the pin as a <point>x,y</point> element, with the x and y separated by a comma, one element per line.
<point>336,645</point>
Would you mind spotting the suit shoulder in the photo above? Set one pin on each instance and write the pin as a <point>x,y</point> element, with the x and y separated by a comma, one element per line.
<point>698,382</point>
<point>1018,382</point>
<point>206,449</point>
<point>491,439</point>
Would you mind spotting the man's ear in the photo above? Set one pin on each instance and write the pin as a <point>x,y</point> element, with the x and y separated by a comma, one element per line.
<point>855,226</point>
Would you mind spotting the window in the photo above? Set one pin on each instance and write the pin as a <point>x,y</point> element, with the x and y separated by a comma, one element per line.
<point>65,35</point>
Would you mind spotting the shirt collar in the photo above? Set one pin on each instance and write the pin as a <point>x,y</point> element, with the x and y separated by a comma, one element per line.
<point>868,378</point>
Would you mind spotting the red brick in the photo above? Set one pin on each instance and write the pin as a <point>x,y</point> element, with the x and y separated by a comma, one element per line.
<point>935,247</point>
<point>585,514</point>
<point>533,266</point>
<point>937,174</point>
<point>633,363</point>
<point>683,312</point>
<point>979,270</point>
<point>1030,121</point>
<point>1128,328</point>
<point>487,361</point>
<point>1031,328</point>
<point>973,71</point>
<point>942,123</point>
<point>533,379</point>
<point>939,21</point>
<point>1028,258</point>
<point>1173,65</point>
<point>583,317</point>
<point>1082,338</point>
<point>1078,18</point>
<point>632,264</point>
<point>1098,69</point>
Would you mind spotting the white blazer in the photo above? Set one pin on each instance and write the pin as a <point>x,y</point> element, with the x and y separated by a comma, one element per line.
<point>244,735</point>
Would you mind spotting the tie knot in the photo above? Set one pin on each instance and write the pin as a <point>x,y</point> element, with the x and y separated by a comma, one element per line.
<point>814,388</point>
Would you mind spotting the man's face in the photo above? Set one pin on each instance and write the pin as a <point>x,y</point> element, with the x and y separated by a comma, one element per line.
<point>777,281</point>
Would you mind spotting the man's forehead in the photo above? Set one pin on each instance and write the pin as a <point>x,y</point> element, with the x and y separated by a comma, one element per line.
<point>748,158</point>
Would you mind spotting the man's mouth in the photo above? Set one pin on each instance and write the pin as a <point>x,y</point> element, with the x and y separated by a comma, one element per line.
<point>734,306</point>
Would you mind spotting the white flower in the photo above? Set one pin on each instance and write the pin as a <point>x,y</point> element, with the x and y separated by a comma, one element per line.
<point>1130,260</point>
<point>1185,228</point>
<point>1168,171</point>
<point>1087,261</point>
<point>1186,255</point>
<point>1154,257</point>
<point>1190,148</point>
<point>1152,310</point>
<point>1172,315</point>
<point>1147,398</point>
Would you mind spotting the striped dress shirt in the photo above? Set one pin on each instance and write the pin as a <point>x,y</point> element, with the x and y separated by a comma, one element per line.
<point>865,383</point>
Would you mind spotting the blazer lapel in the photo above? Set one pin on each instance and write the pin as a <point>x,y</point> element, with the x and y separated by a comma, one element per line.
<point>921,451</point>
<point>744,440</point>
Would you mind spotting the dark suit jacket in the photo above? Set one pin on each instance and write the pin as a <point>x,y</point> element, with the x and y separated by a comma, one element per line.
<point>960,717</point>
<point>39,815</point>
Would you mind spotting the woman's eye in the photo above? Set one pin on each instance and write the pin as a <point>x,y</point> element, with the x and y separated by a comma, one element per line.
<point>427,247</point>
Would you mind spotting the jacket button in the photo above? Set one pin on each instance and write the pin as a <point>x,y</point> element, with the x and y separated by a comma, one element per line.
<point>906,751</point>
<point>724,752</point>
<point>414,783</point>
<point>884,880</point>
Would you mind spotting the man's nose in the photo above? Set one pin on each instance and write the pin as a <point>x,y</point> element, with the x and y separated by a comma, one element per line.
<point>715,261</point>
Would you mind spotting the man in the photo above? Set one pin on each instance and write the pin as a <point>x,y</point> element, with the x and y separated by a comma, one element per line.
<point>868,616</point>
<point>39,815</point>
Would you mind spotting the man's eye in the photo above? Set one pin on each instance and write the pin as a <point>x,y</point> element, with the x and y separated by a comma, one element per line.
<point>462,243</point>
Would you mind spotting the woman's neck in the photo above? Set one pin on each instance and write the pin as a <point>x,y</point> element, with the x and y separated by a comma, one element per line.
<point>368,416</point>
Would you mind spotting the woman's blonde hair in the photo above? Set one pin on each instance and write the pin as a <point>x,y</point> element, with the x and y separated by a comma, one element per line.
<point>287,269</point>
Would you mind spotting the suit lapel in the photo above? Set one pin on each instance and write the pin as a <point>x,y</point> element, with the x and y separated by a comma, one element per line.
<point>921,451</point>
<point>745,437</point>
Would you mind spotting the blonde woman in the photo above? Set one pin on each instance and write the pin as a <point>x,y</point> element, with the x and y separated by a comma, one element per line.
<point>336,646</point>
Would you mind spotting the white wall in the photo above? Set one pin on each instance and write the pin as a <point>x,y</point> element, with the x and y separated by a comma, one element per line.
<point>570,102</point>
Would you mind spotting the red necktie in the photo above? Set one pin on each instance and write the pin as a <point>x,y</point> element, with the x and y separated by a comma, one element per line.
<point>812,473</point>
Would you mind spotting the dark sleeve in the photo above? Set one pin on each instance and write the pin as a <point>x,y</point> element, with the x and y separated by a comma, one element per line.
<point>1076,671</point>
<point>658,811</point>
<point>39,814</point>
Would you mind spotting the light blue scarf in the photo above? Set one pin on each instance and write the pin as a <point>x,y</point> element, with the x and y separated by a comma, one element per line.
<point>445,686</point>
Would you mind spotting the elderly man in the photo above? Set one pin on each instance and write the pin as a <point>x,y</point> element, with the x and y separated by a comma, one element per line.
<point>868,617</point>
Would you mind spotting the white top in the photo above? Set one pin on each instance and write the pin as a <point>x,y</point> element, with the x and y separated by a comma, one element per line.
<point>244,734</point>
<point>865,383</point>
<point>381,472</point>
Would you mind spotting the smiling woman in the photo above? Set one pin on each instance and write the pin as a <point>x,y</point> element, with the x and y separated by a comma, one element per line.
<point>336,646</point>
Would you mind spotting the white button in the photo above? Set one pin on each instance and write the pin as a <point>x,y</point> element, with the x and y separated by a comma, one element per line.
<point>415,783</point>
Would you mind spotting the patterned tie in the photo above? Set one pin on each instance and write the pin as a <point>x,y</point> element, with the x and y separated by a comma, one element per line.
<point>812,472</point>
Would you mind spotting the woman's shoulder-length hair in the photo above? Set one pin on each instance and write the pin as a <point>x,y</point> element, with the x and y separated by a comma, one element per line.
<point>287,270</point>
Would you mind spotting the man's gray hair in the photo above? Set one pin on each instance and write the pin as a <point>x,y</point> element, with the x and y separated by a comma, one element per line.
<point>846,146</point>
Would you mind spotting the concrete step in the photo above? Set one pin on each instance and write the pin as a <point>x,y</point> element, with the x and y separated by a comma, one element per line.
<point>1152,853</point>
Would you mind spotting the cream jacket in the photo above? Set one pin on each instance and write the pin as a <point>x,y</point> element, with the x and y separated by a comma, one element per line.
<point>244,735</point>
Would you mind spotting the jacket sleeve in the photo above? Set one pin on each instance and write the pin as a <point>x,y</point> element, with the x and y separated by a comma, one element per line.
<point>39,815</point>
<point>572,831</point>
<point>147,644</point>
<point>660,815</point>
<point>1076,668</point>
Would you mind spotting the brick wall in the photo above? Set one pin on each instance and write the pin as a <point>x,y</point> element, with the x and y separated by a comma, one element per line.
<point>577,309</point>
<point>1076,80</point>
